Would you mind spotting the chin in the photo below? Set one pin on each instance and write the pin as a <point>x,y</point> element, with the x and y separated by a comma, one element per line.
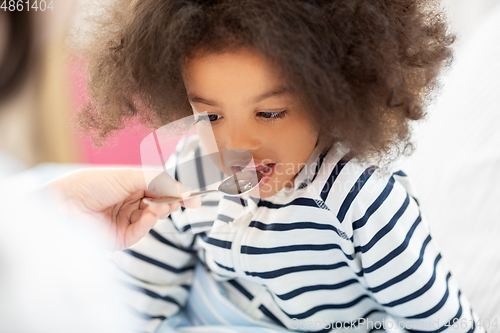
<point>256,193</point>
<point>267,190</point>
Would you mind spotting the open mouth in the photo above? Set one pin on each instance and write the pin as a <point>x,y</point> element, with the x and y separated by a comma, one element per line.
<point>262,168</point>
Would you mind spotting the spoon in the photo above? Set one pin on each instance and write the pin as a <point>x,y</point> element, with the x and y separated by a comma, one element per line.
<point>233,186</point>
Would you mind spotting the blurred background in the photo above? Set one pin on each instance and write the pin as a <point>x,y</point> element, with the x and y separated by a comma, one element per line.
<point>35,126</point>
<point>455,169</point>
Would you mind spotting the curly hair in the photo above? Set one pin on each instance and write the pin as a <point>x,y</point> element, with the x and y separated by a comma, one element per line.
<point>363,68</point>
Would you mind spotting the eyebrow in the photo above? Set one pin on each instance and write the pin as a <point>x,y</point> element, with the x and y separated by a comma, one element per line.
<point>254,100</point>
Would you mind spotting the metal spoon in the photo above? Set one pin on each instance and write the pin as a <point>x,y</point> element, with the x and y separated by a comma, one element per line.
<point>233,186</point>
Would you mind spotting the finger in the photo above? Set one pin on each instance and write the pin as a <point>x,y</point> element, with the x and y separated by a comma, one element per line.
<point>157,210</point>
<point>142,226</point>
<point>173,207</point>
<point>160,201</point>
<point>136,216</point>
<point>143,205</point>
<point>193,202</point>
<point>148,202</point>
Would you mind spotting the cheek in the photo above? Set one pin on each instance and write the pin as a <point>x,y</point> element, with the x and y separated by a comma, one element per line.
<point>220,137</point>
<point>296,140</point>
<point>309,138</point>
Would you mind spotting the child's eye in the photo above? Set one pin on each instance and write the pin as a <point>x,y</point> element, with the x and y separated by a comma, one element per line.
<point>272,115</point>
<point>209,117</point>
<point>213,117</point>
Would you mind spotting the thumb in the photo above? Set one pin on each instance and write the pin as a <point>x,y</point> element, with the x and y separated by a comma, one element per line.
<point>145,223</point>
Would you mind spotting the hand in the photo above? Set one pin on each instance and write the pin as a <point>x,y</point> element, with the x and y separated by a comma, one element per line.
<point>112,198</point>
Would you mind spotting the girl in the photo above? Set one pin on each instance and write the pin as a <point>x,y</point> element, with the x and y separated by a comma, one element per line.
<point>318,92</point>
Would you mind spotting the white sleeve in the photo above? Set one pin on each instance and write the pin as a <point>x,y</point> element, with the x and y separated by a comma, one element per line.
<point>401,264</point>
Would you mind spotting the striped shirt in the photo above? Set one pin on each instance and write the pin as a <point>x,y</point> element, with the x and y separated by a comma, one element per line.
<point>345,246</point>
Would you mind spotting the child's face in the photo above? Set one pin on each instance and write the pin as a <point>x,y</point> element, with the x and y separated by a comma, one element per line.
<point>249,108</point>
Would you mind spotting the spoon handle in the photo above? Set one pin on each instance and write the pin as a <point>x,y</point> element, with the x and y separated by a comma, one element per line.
<point>169,200</point>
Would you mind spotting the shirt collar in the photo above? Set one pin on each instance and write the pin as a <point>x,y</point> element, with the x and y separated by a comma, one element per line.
<point>309,171</point>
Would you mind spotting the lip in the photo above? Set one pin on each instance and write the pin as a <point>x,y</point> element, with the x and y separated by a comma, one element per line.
<point>256,167</point>
<point>260,167</point>
<point>267,175</point>
<point>266,169</point>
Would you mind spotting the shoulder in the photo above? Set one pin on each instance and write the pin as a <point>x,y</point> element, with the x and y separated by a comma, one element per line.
<point>352,190</point>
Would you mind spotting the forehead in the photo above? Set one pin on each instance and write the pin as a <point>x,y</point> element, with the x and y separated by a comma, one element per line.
<point>242,71</point>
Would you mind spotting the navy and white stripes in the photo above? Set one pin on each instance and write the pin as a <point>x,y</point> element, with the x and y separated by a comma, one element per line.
<point>346,243</point>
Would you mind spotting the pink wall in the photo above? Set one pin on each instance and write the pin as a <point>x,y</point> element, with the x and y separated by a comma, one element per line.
<point>123,148</point>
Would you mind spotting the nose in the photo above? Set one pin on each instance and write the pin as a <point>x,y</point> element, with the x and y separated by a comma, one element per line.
<point>242,136</point>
